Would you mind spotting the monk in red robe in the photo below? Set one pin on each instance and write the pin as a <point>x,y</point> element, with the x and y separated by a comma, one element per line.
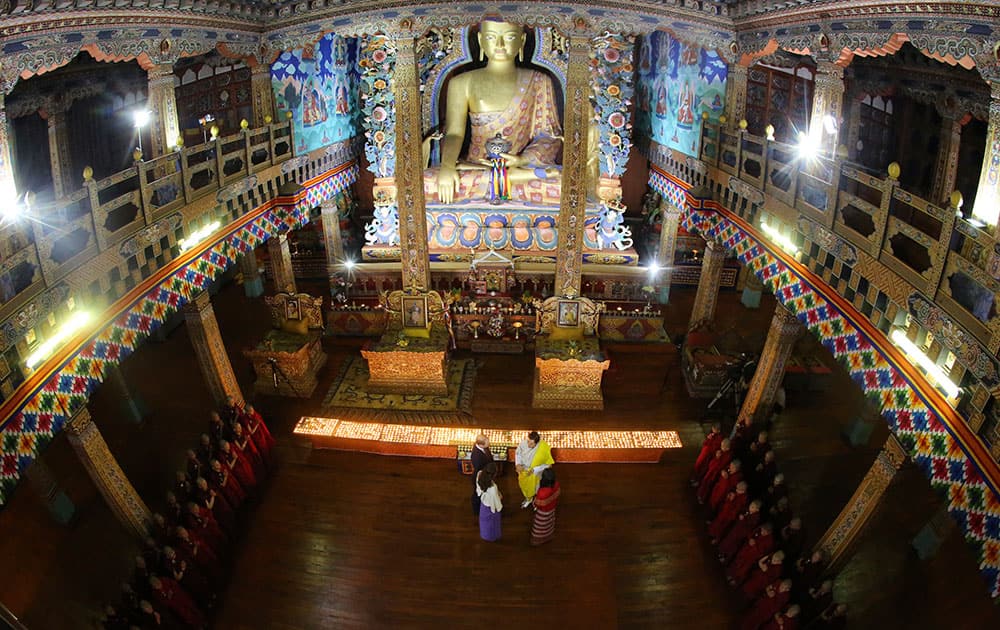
<point>190,579</point>
<point>200,522</point>
<point>192,551</point>
<point>708,448</point>
<point>760,543</point>
<point>244,445</point>
<point>719,463</point>
<point>726,483</point>
<point>787,620</point>
<point>768,569</point>
<point>217,505</point>
<point>238,466</point>
<point>225,483</point>
<point>732,507</point>
<point>260,435</point>
<point>168,594</point>
<point>740,532</point>
<point>772,601</point>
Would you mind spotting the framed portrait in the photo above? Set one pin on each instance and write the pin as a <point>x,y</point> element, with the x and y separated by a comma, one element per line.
<point>415,312</point>
<point>292,309</point>
<point>568,314</point>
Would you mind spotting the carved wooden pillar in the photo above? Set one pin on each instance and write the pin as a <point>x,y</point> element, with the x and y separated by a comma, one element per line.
<point>859,509</point>
<point>281,263</point>
<point>106,474</point>
<point>785,329</point>
<point>708,285</point>
<point>668,245</point>
<point>736,93</point>
<point>987,208</point>
<point>946,165</point>
<point>410,167</point>
<point>164,128</point>
<point>7,188</point>
<point>332,241</point>
<point>828,98</point>
<point>208,347</point>
<point>59,158</point>
<point>262,94</point>
<point>573,198</point>
<point>59,505</point>
<point>253,285</point>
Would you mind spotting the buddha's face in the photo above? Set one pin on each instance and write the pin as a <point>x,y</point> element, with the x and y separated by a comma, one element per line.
<point>501,41</point>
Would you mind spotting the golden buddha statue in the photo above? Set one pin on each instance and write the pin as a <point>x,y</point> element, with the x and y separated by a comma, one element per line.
<point>518,104</point>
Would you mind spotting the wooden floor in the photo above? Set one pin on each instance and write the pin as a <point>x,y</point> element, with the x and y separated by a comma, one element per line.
<point>351,540</point>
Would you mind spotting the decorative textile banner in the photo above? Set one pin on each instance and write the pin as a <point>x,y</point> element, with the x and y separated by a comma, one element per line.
<point>64,382</point>
<point>936,438</point>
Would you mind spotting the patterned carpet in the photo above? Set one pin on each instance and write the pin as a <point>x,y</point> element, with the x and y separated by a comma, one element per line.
<point>349,399</point>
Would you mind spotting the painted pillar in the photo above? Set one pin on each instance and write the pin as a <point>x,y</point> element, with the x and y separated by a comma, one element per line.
<point>211,352</point>
<point>573,199</point>
<point>8,190</point>
<point>667,249</point>
<point>332,241</point>
<point>253,284</point>
<point>410,167</point>
<point>736,93</point>
<point>708,285</point>
<point>106,474</point>
<point>281,263</point>
<point>262,94</point>
<point>828,98</point>
<point>987,208</point>
<point>946,165</point>
<point>59,159</point>
<point>785,329</point>
<point>859,509</point>
<point>164,129</point>
<point>59,505</point>
<point>132,406</point>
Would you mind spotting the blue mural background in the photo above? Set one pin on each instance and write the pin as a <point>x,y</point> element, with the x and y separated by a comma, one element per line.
<point>318,86</point>
<point>677,83</point>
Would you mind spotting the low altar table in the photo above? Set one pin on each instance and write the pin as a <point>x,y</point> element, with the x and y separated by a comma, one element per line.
<point>401,364</point>
<point>568,374</point>
<point>286,363</point>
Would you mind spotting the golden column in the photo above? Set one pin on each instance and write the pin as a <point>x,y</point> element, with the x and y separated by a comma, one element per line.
<point>262,93</point>
<point>106,474</point>
<point>331,236</point>
<point>858,511</point>
<point>785,329</point>
<point>59,158</point>
<point>736,93</point>
<point>410,166</point>
<point>573,196</point>
<point>708,285</point>
<point>211,352</point>
<point>7,188</point>
<point>946,165</point>
<point>281,263</point>
<point>987,204</point>
<point>828,98</point>
<point>162,104</point>
<point>668,243</point>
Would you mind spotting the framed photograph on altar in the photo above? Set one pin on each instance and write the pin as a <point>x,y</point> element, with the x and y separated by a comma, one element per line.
<point>568,314</point>
<point>415,312</point>
<point>292,309</point>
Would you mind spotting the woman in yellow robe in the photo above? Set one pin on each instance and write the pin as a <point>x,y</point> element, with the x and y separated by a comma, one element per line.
<point>532,457</point>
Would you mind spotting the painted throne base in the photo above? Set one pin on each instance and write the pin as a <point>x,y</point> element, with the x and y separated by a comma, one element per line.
<point>549,394</point>
<point>399,372</point>
<point>298,369</point>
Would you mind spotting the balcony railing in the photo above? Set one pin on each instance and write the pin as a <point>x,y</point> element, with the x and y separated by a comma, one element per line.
<point>105,212</point>
<point>930,246</point>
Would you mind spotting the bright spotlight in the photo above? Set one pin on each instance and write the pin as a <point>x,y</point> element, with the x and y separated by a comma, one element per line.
<point>654,268</point>
<point>140,117</point>
<point>348,264</point>
<point>809,146</point>
<point>830,125</point>
<point>10,206</point>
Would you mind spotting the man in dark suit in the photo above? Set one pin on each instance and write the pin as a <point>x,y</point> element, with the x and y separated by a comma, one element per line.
<point>481,455</point>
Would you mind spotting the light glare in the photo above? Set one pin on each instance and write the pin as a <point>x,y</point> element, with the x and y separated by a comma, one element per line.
<point>914,353</point>
<point>72,325</point>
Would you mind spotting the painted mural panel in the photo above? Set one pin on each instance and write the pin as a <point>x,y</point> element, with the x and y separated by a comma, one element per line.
<point>678,82</point>
<point>318,86</point>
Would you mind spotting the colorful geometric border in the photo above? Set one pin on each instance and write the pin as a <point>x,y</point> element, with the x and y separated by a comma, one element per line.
<point>47,399</point>
<point>936,438</point>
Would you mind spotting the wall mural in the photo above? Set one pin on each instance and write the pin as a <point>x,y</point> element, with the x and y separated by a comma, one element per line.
<point>318,86</point>
<point>678,83</point>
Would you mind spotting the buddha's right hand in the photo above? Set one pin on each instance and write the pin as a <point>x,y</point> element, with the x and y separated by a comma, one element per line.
<point>447,184</point>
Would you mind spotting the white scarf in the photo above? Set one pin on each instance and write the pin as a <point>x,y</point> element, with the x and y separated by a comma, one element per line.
<point>490,498</point>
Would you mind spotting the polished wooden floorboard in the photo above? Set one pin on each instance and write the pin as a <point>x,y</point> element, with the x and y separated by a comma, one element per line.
<point>345,540</point>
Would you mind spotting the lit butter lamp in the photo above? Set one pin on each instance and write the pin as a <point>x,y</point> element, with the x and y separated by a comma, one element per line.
<point>474,325</point>
<point>517,330</point>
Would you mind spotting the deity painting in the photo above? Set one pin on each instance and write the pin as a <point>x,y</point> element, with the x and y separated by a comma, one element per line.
<point>415,312</point>
<point>568,314</point>
<point>313,105</point>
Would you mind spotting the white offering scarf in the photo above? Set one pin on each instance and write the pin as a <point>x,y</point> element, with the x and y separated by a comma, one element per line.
<point>525,454</point>
<point>491,498</point>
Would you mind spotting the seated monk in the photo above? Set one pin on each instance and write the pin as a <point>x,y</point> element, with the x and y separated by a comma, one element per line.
<point>519,104</point>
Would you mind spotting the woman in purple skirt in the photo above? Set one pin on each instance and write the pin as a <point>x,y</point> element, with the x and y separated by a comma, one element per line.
<point>492,503</point>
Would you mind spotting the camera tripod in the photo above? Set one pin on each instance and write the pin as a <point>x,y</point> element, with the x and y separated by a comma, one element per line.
<point>276,371</point>
<point>737,381</point>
